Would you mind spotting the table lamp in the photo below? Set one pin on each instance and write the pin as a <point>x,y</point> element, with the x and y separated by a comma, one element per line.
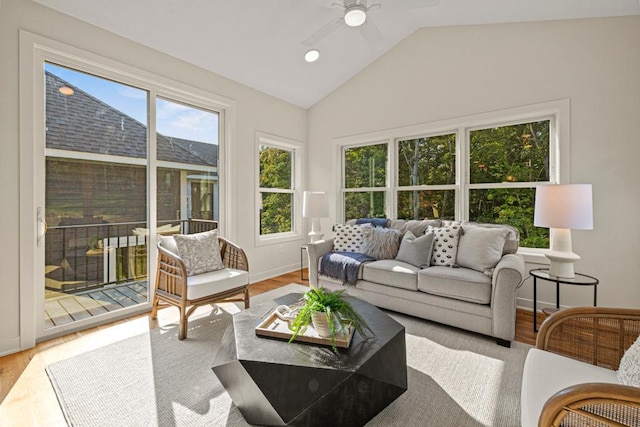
<point>315,205</point>
<point>562,208</point>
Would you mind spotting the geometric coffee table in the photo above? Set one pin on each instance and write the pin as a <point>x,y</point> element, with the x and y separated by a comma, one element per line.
<point>276,383</point>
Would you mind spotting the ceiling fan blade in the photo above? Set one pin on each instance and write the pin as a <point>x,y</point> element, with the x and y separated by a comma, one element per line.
<point>391,5</point>
<point>371,34</point>
<point>323,32</point>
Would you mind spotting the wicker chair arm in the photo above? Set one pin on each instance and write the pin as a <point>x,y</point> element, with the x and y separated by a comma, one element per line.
<point>233,256</point>
<point>172,273</point>
<point>595,335</point>
<point>592,404</point>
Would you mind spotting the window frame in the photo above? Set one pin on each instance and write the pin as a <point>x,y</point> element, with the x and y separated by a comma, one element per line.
<point>558,112</point>
<point>296,148</point>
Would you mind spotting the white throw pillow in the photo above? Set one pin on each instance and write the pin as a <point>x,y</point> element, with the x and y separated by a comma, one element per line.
<point>445,245</point>
<point>629,369</point>
<point>480,248</point>
<point>348,238</point>
<point>200,252</point>
<point>416,250</point>
<point>380,243</point>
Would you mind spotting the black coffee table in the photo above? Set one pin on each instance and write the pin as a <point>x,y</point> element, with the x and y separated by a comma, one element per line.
<point>273,382</point>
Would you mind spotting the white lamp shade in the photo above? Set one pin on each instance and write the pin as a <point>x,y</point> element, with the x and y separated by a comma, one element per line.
<point>568,206</point>
<point>315,204</point>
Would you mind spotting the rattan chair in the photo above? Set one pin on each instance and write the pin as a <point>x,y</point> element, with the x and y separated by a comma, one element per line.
<point>174,288</point>
<point>599,336</point>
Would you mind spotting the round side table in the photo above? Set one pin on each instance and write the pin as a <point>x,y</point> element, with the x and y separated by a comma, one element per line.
<point>543,274</point>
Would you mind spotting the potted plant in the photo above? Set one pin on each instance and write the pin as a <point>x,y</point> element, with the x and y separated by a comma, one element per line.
<point>330,315</point>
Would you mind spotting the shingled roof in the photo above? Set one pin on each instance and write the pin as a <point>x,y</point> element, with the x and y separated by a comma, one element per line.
<point>83,123</point>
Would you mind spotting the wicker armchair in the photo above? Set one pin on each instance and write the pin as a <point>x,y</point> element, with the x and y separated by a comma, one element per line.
<point>598,336</point>
<point>174,287</point>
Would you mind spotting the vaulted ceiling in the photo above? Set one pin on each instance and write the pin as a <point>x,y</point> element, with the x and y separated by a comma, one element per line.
<point>259,43</point>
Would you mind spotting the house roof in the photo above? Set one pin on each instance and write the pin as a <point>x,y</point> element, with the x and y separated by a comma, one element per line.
<point>81,122</point>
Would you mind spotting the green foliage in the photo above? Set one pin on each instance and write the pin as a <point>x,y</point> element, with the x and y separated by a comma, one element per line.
<point>365,166</point>
<point>275,172</point>
<point>338,311</point>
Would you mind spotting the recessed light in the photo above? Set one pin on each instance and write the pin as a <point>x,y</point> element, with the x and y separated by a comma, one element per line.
<point>66,90</point>
<point>312,55</point>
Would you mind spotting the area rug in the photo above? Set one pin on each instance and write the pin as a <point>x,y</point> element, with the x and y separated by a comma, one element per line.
<point>455,378</point>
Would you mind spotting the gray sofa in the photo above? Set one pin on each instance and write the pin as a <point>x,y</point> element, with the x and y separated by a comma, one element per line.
<point>478,301</point>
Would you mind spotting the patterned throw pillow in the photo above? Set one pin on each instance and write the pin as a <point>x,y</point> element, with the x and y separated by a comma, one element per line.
<point>629,369</point>
<point>348,238</point>
<point>445,245</point>
<point>380,243</point>
<point>200,252</point>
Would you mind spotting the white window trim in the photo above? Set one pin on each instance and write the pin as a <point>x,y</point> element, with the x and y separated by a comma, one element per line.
<point>34,51</point>
<point>559,155</point>
<point>297,148</point>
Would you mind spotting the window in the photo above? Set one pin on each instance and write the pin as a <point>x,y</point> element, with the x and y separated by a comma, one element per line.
<point>426,177</point>
<point>505,164</point>
<point>480,168</point>
<point>277,187</point>
<point>365,181</point>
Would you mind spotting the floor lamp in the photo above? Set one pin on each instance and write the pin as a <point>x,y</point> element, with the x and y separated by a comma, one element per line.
<point>315,205</point>
<point>562,208</point>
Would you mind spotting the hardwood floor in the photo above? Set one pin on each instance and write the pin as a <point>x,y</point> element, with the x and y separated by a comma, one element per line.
<point>26,395</point>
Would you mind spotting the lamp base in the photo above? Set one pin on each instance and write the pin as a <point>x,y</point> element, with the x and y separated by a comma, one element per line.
<point>562,264</point>
<point>315,236</point>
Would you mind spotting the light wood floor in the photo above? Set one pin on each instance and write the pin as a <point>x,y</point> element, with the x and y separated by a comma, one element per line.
<point>26,395</point>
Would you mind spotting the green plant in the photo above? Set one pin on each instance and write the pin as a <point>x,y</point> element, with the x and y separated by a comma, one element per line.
<point>339,314</point>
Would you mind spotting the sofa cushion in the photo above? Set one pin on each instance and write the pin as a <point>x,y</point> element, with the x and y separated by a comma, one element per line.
<point>459,283</point>
<point>348,238</point>
<point>380,243</point>
<point>480,248</point>
<point>217,281</point>
<point>629,369</point>
<point>200,252</point>
<point>547,373</point>
<point>393,273</point>
<point>416,250</point>
<point>418,228</point>
<point>512,241</point>
<point>445,245</point>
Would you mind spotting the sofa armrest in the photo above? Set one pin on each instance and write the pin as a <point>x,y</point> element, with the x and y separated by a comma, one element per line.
<point>315,251</point>
<point>507,277</point>
<point>592,404</point>
<point>595,335</point>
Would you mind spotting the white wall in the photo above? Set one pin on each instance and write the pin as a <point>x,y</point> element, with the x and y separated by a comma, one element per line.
<point>255,112</point>
<point>443,73</point>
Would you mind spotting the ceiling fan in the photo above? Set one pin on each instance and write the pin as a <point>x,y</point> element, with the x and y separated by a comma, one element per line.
<point>355,14</point>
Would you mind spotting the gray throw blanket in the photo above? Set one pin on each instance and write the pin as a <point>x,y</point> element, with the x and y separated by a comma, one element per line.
<point>343,266</point>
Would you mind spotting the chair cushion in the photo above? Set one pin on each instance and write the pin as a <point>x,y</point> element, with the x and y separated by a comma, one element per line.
<point>391,273</point>
<point>460,283</point>
<point>547,373</point>
<point>214,282</point>
<point>200,252</point>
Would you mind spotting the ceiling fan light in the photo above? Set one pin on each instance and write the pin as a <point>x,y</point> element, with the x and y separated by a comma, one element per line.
<point>355,15</point>
<point>312,55</point>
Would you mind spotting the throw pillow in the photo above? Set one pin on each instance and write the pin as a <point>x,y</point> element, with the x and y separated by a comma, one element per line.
<point>629,369</point>
<point>445,245</point>
<point>169,243</point>
<point>200,252</point>
<point>348,238</point>
<point>480,248</point>
<point>380,243</point>
<point>416,250</point>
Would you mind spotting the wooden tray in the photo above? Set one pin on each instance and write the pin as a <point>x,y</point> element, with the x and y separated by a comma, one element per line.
<point>275,327</point>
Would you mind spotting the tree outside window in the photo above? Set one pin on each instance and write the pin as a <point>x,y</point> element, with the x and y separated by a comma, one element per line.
<point>276,190</point>
<point>365,181</point>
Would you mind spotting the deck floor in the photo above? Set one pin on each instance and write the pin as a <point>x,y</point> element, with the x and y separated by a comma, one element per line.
<point>62,308</point>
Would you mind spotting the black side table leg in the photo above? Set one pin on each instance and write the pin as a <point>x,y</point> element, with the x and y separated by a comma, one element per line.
<point>535,304</point>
